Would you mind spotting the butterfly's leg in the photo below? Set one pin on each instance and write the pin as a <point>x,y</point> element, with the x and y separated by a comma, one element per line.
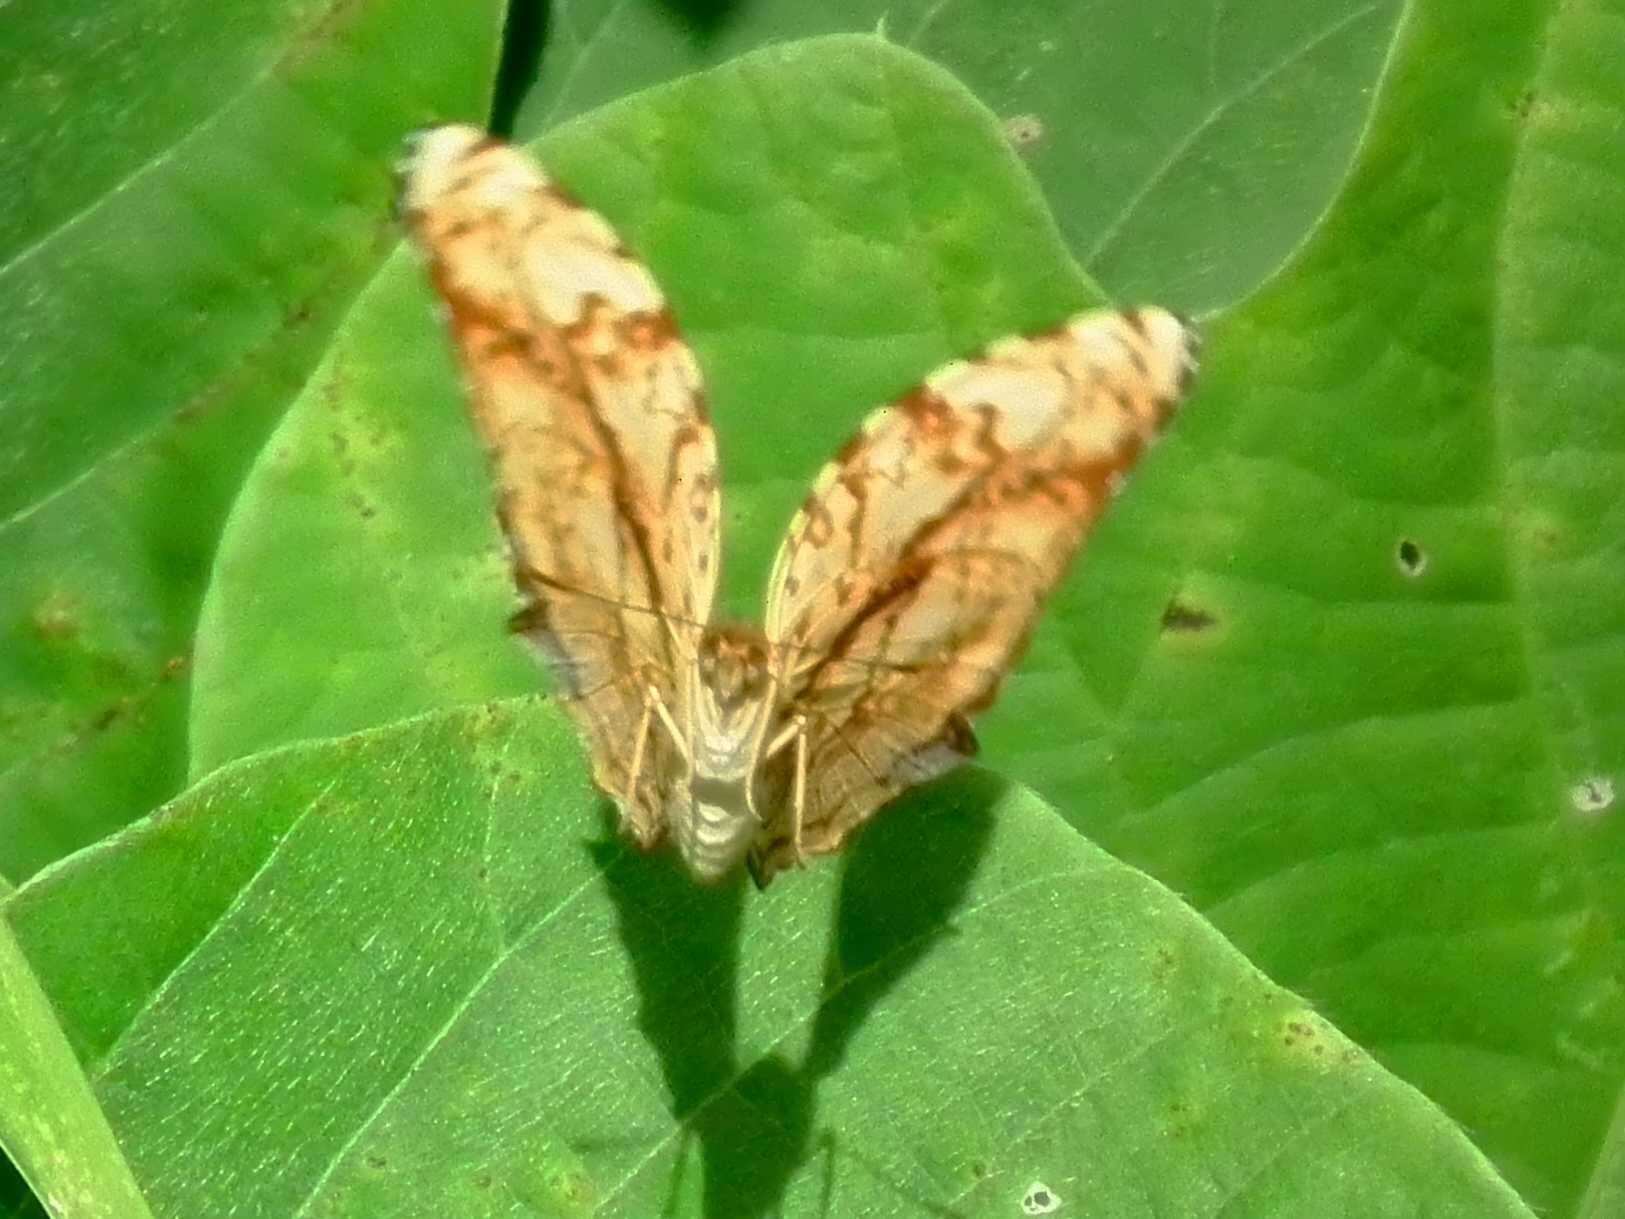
<point>653,699</point>
<point>629,796</point>
<point>800,801</point>
<point>795,730</point>
<point>653,705</point>
<point>681,644</point>
<point>827,1141</point>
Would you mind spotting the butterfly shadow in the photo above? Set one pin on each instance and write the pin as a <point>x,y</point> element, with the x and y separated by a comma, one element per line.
<point>525,32</point>
<point>704,20</point>
<point>902,879</point>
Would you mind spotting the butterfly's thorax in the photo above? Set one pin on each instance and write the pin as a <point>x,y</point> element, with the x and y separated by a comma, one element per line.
<point>731,696</point>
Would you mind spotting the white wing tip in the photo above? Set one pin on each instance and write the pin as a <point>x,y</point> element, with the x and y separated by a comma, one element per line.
<point>428,152</point>
<point>1168,343</point>
<point>431,160</point>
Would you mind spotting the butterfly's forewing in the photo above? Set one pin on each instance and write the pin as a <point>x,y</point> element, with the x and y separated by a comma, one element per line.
<point>591,410</point>
<point>913,574</point>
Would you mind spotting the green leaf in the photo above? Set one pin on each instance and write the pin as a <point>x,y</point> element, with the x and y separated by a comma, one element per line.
<point>1214,136</point>
<point>50,1121</point>
<point>1345,667</point>
<point>186,233</point>
<point>1362,698</point>
<point>866,207</point>
<point>400,981</point>
<point>1327,736</point>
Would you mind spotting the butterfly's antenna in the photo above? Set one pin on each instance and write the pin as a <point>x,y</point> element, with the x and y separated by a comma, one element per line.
<point>523,621</point>
<point>826,1140</point>
<point>553,582</point>
<point>882,1178</point>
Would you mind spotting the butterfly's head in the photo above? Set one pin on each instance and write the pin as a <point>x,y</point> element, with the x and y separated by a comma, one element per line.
<point>734,695</point>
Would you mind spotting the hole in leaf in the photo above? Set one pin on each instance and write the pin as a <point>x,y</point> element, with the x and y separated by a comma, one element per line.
<point>1592,794</point>
<point>1411,558</point>
<point>1040,1199</point>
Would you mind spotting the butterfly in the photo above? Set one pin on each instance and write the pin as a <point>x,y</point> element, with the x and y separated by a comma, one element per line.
<point>906,585</point>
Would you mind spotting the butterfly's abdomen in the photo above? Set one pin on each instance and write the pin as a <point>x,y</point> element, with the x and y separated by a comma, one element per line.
<point>714,826</point>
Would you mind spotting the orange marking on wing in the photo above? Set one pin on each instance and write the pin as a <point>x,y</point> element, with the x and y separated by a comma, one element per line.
<point>952,515</point>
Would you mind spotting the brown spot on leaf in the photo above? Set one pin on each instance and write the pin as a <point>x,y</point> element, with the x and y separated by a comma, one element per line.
<point>54,619</point>
<point>1180,618</point>
<point>1023,130</point>
<point>110,715</point>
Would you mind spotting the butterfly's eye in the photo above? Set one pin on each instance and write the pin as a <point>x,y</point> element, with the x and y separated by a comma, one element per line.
<point>707,658</point>
<point>752,673</point>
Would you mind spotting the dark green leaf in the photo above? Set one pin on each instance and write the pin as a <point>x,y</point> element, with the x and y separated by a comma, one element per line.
<point>1344,667</point>
<point>186,232</point>
<point>17,1201</point>
<point>1186,150</point>
<point>51,1122</point>
<point>1351,666</point>
<point>398,974</point>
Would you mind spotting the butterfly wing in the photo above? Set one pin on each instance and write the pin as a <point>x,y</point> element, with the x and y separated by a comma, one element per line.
<point>591,410</point>
<point>913,574</point>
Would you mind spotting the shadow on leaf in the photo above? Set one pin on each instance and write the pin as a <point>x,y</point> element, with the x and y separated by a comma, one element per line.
<point>703,19</point>
<point>902,880</point>
<point>524,37</point>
